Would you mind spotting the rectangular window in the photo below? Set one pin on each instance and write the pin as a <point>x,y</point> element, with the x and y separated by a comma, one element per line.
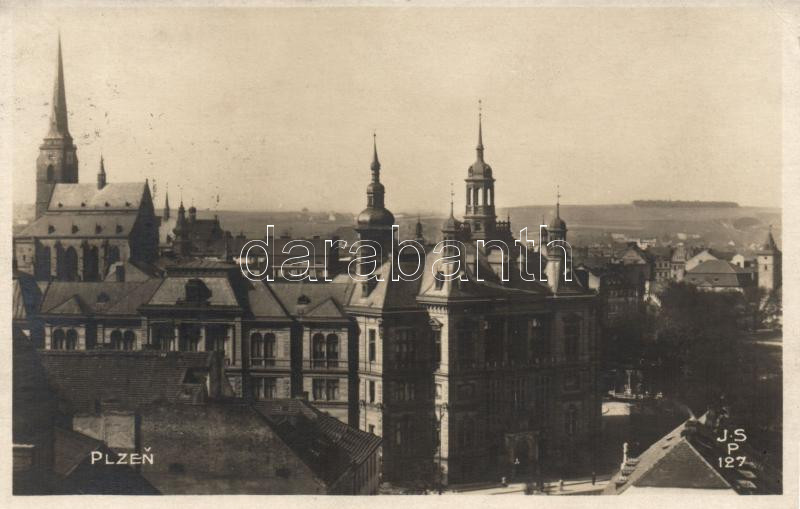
<point>318,387</point>
<point>372,345</point>
<point>372,430</point>
<point>371,391</point>
<point>572,330</point>
<point>332,390</point>
<point>266,388</point>
<point>436,356</point>
<point>438,391</point>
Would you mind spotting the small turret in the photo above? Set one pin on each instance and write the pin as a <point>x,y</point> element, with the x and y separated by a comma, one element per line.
<point>101,175</point>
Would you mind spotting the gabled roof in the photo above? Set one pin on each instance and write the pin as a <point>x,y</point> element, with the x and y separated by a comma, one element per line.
<point>322,300</point>
<point>686,458</point>
<point>114,196</point>
<point>98,298</point>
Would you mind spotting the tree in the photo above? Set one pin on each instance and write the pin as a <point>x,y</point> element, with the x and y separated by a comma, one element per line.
<point>698,344</point>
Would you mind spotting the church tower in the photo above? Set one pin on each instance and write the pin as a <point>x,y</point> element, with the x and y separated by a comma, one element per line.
<point>58,161</point>
<point>375,222</point>
<point>480,213</point>
<point>769,264</point>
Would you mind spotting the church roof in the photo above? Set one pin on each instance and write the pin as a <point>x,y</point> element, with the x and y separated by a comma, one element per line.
<point>81,226</point>
<point>114,196</point>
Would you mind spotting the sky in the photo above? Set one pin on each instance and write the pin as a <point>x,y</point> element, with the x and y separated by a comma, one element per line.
<point>274,109</point>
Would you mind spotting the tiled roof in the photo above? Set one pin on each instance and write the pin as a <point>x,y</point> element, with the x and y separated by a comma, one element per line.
<point>686,458</point>
<point>325,443</point>
<point>128,380</point>
<point>81,197</point>
<point>719,273</point>
<point>70,225</point>
<point>263,303</point>
<point>317,293</point>
<point>173,290</point>
<point>104,297</point>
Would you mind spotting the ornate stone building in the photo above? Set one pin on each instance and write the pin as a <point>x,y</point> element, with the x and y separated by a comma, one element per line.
<point>476,377</point>
<point>82,229</point>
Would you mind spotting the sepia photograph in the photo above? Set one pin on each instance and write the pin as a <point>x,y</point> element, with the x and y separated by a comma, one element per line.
<point>431,249</point>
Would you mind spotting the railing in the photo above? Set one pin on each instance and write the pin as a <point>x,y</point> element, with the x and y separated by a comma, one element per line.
<point>271,362</point>
<point>327,364</point>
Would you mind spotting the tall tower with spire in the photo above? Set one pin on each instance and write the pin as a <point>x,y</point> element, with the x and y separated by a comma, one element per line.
<point>480,214</point>
<point>375,222</point>
<point>58,159</point>
<point>165,216</point>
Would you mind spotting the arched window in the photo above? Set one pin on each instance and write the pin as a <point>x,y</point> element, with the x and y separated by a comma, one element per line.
<point>71,340</point>
<point>128,340</point>
<point>269,348</point>
<point>50,176</point>
<point>43,263</point>
<point>116,340</point>
<point>112,255</point>
<point>479,201</point>
<point>571,421</point>
<point>58,340</point>
<point>256,349</point>
<point>318,354</point>
<point>469,197</point>
<point>68,263</point>
<point>90,263</point>
<point>332,350</point>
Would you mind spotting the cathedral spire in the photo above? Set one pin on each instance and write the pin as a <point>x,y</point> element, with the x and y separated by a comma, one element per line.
<point>166,205</point>
<point>59,127</point>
